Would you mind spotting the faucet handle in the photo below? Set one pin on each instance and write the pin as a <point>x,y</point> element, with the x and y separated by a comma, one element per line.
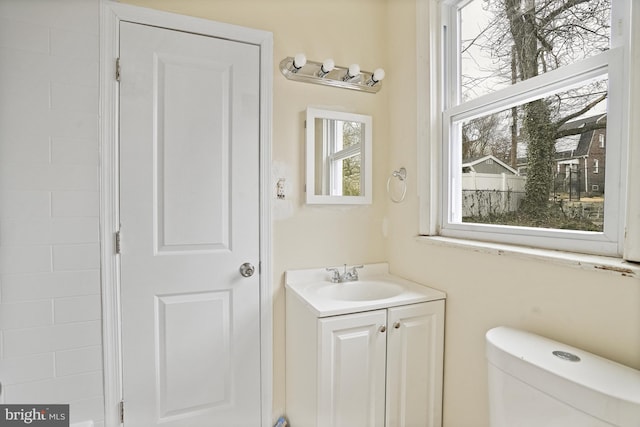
<point>354,271</point>
<point>335,277</point>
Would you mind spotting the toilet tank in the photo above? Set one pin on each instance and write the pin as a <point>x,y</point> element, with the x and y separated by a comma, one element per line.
<point>535,382</point>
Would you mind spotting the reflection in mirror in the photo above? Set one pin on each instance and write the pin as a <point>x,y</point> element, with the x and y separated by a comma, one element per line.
<point>338,145</point>
<point>338,157</point>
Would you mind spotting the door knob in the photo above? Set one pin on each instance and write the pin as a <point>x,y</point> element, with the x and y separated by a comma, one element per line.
<point>396,325</point>
<point>383,329</point>
<point>247,270</point>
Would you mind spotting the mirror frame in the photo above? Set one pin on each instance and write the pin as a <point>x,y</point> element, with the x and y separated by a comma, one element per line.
<point>366,155</point>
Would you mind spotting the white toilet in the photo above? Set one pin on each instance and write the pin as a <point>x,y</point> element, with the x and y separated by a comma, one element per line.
<point>537,382</point>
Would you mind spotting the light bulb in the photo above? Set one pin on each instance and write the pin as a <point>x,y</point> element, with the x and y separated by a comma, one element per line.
<point>352,72</point>
<point>299,60</point>
<point>328,65</point>
<point>378,75</point>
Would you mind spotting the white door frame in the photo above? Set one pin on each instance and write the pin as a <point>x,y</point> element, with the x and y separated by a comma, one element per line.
<point>111,14</point>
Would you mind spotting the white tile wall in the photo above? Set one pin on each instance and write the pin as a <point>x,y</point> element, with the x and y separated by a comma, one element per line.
<point>73,151</point>
<point>24,35</point>
<point>50,325</point>
<point>74,203</point>
<point>73,44</point>
<point>76,309</point>
<point>78,361</point>
<point>24,341</point>
<point>25,287</point>
<point>63,389</point>
<point>27,314</point>
<point>76,257</point>
<point>24,204</point>
<point>25,369</point>
<point>24,259</point>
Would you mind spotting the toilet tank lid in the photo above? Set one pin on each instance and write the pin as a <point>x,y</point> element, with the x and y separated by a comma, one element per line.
<point>507,345</point>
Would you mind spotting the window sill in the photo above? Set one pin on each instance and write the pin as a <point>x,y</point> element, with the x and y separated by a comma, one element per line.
<point>569,259</point>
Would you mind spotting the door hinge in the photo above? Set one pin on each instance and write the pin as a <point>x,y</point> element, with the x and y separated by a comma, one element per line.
<point>122,412</point>
<point>117,248</point>
<point>118,69</point>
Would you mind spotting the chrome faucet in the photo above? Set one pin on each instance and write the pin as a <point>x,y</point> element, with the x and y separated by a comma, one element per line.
<point>347,276</point>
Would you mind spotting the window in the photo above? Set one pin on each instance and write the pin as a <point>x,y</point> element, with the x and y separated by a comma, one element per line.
<point>532,83</point>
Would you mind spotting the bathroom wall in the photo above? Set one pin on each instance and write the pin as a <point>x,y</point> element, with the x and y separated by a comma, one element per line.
<point>595,310</point>
<point>50,332</point>
<point>49,203</point>
<point>49,282</point>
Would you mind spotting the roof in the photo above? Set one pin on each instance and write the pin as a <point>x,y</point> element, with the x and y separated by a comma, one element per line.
<point>477,160</point>
<point>581,148</point>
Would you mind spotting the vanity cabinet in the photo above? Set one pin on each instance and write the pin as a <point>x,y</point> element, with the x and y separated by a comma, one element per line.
<point>378,368</point>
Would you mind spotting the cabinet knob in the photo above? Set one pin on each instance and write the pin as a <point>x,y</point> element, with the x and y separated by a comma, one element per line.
<point>383,329</point>
<point>396,325</point>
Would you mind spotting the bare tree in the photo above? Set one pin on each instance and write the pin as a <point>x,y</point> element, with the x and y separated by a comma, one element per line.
<point>526,38</point>
<point>483,136</point>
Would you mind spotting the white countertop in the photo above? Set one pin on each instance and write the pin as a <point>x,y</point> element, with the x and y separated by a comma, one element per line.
<point>305,285</point>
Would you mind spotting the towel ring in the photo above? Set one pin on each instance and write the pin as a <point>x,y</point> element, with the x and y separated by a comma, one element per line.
<point>401,174</point>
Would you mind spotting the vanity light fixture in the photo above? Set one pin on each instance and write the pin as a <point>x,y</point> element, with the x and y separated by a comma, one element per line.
<point>328,73</point>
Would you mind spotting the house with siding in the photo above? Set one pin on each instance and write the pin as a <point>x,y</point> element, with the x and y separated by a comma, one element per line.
<point>580,158</point>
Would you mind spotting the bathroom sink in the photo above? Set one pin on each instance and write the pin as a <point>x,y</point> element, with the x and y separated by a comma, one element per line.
<point>374,289</point>
<point>360,291</point>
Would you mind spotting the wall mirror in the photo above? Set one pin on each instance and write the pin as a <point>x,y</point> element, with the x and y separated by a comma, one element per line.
<point>339,157</point>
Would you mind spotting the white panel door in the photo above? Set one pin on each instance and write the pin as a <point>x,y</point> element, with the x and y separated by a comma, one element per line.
<point>414,365</point>
<point>351,370</point>
<point>189,209</point>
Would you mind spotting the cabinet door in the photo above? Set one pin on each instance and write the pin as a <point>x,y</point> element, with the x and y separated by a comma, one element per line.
<point>414,365</point>
<point>351,370</point>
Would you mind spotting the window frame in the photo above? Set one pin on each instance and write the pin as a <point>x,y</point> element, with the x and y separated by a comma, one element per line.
<point>438,193</point>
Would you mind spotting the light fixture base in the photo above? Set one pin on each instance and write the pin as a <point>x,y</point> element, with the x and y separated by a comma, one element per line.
<point>310,73</point>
